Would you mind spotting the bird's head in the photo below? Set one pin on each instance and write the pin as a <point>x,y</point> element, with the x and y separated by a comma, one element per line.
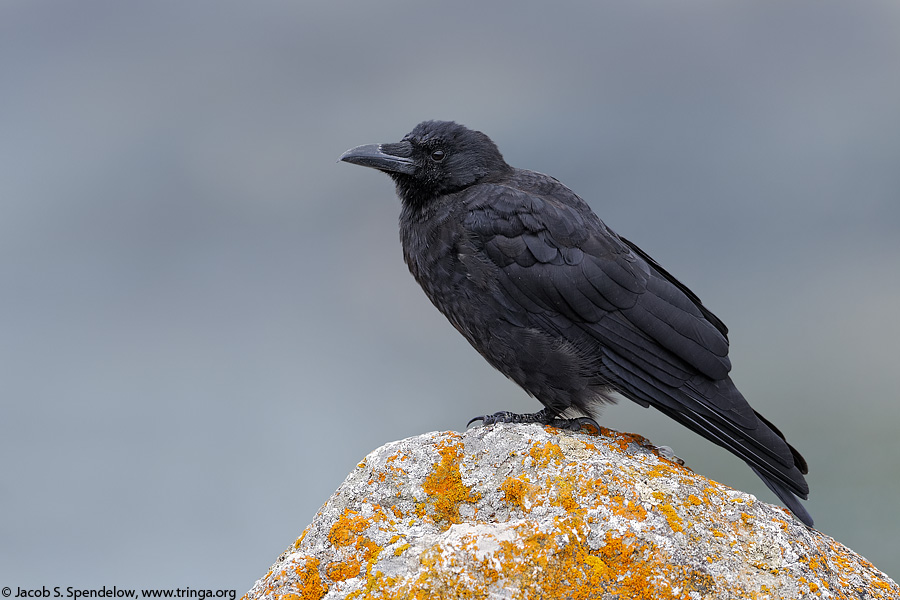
<point>435,158</point>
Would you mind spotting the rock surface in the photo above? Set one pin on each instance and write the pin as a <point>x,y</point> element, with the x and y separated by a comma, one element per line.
<point>523,511</point>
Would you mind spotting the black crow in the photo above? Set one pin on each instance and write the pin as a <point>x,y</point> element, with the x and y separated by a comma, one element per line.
<point>561,304</point>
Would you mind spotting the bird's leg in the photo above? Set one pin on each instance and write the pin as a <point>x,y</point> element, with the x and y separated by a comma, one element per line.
<point>544,417</point>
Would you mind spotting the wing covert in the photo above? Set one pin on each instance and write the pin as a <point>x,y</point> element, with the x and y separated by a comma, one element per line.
<point>554,254</point>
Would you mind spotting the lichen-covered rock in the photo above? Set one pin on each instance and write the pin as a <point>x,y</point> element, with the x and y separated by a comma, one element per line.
<point>522,511</point>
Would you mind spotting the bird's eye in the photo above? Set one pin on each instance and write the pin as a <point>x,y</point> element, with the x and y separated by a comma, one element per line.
<point>437,155</point>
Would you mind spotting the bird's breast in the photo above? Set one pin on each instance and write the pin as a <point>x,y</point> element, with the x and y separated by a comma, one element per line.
<point>458,279</point>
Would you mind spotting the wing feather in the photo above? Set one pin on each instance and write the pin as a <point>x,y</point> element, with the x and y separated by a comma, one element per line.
<point>588,272</point>
<point>652,338</point>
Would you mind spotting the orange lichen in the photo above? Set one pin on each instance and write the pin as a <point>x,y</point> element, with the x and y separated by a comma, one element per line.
<point>616,503</point>
<point>309,584</point>
<point>633,511</point>
<point>347,528</point>
<point>519,492</point>
<point>664,470</point>
<point>300,539</point>
<point>557,564</point>
<point>348,532</point>
<point>391,470</point>
<point>340,571</point>
<point>621,441</point>
<point>545,454</point>
<point>445,488</point>
<point>564,495</point>
<point>672,517</point>
<point>369,551</point>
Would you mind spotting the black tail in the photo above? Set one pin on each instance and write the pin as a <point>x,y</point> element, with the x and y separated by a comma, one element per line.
<point>772,476</point>
<point>786,496</point>
<point>798,458</point>
<point>718,412</point>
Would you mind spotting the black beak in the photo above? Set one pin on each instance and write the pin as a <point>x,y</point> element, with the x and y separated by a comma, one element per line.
<point>390,158</point>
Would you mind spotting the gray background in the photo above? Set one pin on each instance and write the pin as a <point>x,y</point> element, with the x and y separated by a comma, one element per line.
<point>205,321</point>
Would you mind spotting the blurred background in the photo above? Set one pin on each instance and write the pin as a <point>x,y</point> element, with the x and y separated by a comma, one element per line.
<point>206,322</point>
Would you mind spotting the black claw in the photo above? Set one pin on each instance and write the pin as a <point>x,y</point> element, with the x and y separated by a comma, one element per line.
<point>577,424</point>
<point>544,417</point>
<point>505,416</point>
<point>502,416</point>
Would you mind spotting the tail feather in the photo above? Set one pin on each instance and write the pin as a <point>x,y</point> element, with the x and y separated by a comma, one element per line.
<point>786,496</point>
<point>755,440</point>
<point>798,458</point>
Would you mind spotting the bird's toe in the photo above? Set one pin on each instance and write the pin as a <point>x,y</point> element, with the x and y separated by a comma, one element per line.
<point>579,424</point>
